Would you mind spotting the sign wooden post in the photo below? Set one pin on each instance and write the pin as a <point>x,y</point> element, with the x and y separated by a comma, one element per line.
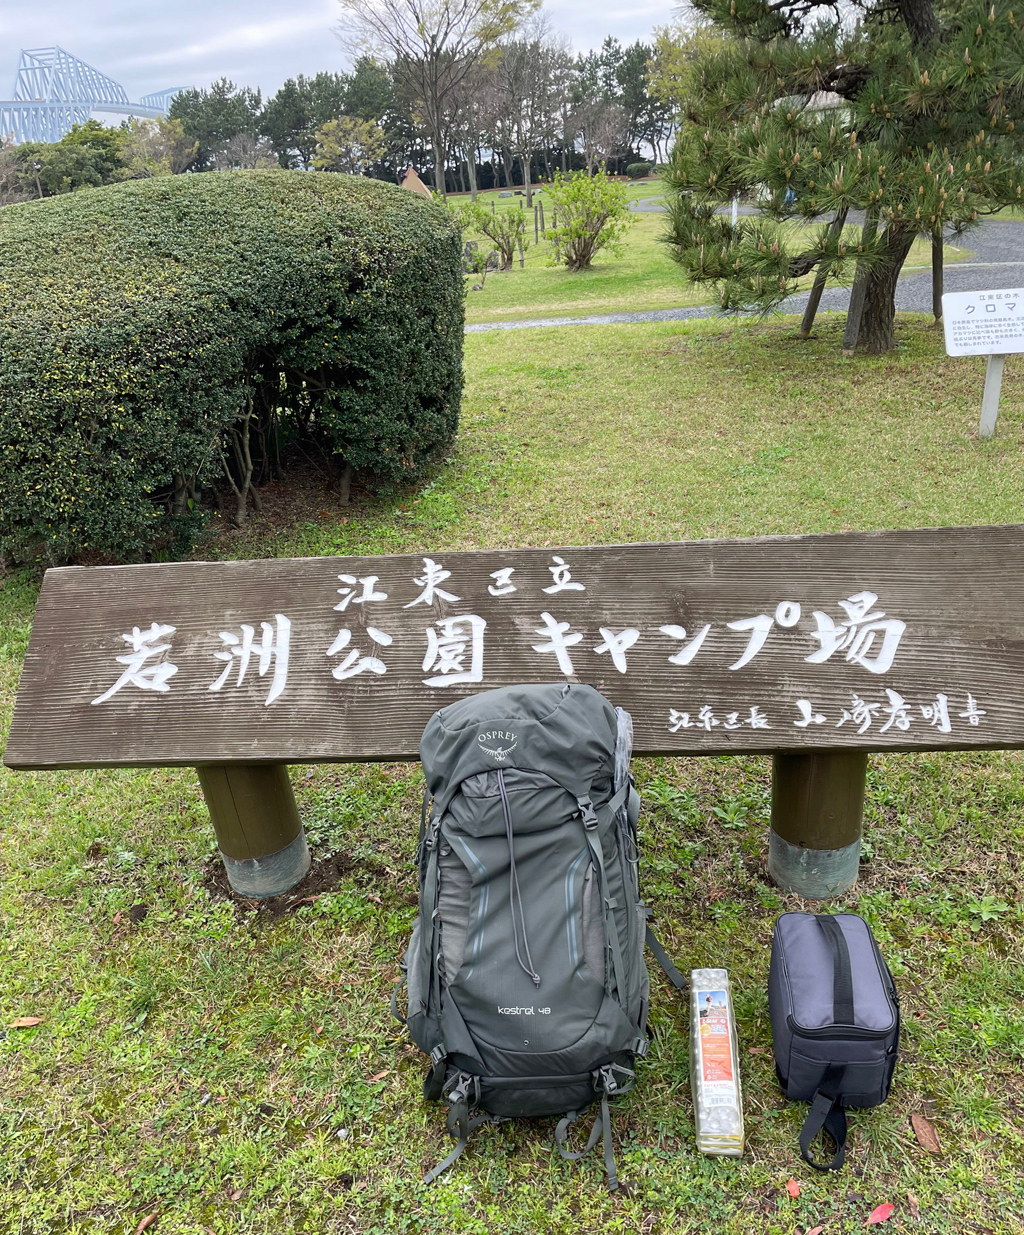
<point>985,324</point>
<point>814,649</point>
<point>817,813</point>
<point>257,825</point>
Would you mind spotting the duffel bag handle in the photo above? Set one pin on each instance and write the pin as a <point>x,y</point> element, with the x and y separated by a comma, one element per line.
<point>842,970</point>
<point>825,1113</point>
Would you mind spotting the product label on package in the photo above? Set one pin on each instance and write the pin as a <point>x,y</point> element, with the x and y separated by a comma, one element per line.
<point>719,1087</point>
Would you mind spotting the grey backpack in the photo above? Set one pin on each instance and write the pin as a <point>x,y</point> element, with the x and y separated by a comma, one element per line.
<point>526,978</point>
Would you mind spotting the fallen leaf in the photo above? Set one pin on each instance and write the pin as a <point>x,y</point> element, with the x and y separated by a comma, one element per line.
<point>117,917</point>
<point>915,1208</point>
<point>379,1076</point>
<point>237,1194</point>
<point>815,1230</point>
<point>880,1214</point>
<point>26,1022</point>
<point>146,1223</point>
<point>793,1188</point>
<point>927,1134</point>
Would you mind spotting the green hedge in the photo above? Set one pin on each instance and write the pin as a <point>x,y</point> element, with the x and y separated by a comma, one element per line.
<point>141,323</point>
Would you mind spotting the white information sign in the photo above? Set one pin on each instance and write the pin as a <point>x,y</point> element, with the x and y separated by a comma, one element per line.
<point>984,323</point>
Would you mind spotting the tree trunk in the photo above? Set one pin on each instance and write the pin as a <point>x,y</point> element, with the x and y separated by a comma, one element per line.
<point>528,178</point>
<point>937,274</point>
<point>506,158</point>
<point>855,312</point>
<point>877,326</point>
<point>919,18</point>
<point>810,312</point>
<point>439,183</point>
<point>471,168</point>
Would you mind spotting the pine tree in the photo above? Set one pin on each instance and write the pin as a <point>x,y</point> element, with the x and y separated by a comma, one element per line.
<point>912,114</point>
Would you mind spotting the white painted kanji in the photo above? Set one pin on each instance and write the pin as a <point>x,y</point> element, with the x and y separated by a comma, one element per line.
<point>273,649</point>
<point>146,665</point>
<point>354,662</point>
<point>502,585</point>
<point>808,716</point>
<point>937,713</point>
<point>562,576</point>
<point>974,713</point>
<point>858,635</point>
<point>368,594</point>
<point>433,575</point>
<point>449,642</point>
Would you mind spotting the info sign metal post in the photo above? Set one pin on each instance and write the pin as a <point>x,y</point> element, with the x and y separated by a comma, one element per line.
<point>985,324</point>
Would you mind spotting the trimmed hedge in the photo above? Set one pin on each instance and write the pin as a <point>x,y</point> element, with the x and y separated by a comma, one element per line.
<point>144,326</point>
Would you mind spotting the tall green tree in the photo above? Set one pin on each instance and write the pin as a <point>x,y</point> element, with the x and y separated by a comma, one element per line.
<point>213,117</point>
<point>303,105</point>
<point>912,113</point>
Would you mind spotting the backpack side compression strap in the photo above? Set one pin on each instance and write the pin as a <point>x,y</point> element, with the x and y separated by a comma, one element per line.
<point>665,961</point>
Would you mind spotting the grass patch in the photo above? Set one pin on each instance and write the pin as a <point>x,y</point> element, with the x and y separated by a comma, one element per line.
<point>236,1071</point>
<point>644,277</point>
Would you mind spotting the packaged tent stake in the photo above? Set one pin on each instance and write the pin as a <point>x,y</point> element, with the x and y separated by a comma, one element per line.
<point>714,1064</point>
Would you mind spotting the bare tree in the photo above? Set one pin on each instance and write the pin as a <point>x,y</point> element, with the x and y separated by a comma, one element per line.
<point>603,130</point>
<point>245,151</point>
<point>434,44</point>
<point>11,189</point>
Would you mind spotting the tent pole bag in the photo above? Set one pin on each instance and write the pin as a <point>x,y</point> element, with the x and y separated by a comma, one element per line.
<point>835,1022</point>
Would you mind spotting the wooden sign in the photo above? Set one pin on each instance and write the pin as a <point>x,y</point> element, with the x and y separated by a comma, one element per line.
<point>862,641</point>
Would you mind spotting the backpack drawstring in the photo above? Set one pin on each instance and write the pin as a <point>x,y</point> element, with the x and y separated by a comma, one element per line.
<point>514,895</point>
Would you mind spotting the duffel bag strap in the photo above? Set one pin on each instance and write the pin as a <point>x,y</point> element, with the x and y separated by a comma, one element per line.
<point>827,1114</point>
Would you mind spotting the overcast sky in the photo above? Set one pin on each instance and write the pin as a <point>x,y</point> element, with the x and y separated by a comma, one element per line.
<point>154,46</point>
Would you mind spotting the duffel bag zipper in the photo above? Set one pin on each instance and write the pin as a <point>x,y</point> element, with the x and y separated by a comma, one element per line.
<point>828,1032</point>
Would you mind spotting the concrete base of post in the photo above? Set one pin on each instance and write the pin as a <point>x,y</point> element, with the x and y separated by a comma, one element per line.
<point>270,875</point>
<point>259,833</point>
<point>814,874</point>
<point>817,814</point>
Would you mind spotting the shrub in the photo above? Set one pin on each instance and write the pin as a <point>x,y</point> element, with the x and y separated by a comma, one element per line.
<point>637,171</point>
<point>152,334</point>
<point>589,213</point>
<point>506,229</point>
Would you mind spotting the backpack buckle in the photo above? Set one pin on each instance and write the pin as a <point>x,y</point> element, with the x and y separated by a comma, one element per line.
<point>588,812</point>
<point>605,1080</point>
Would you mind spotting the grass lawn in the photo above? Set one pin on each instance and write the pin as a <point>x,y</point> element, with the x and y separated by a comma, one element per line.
<point>644,277</point>
<point>233,1071</point>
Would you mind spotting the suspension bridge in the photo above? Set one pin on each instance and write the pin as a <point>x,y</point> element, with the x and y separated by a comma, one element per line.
<point>54,90</point>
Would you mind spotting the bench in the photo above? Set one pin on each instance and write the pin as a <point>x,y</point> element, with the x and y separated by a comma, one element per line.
<point>814,649</point>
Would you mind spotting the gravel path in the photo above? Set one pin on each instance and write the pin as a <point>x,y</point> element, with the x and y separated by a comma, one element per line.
<point>997,261</point>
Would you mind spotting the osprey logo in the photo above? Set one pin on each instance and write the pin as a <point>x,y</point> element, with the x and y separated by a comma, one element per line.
<point>497,743</point>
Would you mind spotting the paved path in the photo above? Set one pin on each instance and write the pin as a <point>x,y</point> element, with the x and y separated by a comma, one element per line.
<point>997,260</point>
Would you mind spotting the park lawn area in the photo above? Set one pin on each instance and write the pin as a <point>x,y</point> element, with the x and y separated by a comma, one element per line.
<point>643,277</point>
<point>232,1070</point>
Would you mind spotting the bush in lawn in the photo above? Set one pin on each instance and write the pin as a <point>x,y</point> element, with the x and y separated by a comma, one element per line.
<point>155,334</point>
<point>637,171</point>
<point>506,229</point>
<point>589,213</point>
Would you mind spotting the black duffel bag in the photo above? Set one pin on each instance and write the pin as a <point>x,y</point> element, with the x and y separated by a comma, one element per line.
<point>835,1021</point>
